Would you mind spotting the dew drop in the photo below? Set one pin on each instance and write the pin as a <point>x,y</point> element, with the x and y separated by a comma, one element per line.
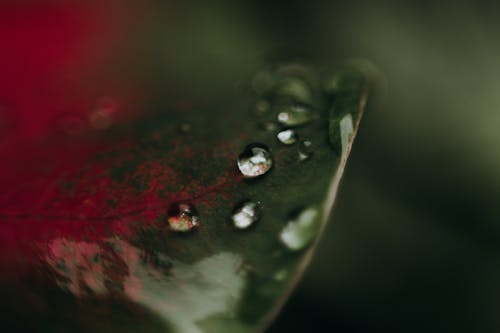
<point>255,160</point>
<point>268,126</point>
<point>184,128</point>
<point>305,150</point>
<point>295,115</point>
<point>300,229</point>
<point>245,214</point>
<point>102,116</point>
<point>295,89</point>
<point>280,275</point>
<point>182,217</point>
<point>346,130</point>
<point>331,85</point>
<point>287,137</point>
<point>262,107</point>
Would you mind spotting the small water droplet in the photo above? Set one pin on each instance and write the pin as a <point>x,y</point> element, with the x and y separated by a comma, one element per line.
<point>301,229</point>
<point>262,107</point>
<point>245,214</point>
<point>280,275</point>
<point>287,137</point>
<point>102,116</point>
<point>268,126</point>
<point>182,217</point>
<point>184,128</point>
<point>331,85</point>
<point>295,115</point>
<point>305,150</point>
<point>255,160</point>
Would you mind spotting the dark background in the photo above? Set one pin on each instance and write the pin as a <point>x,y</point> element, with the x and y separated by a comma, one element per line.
<point>413,245</point>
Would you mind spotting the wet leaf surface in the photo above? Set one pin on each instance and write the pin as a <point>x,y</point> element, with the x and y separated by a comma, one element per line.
<point>129,226</point>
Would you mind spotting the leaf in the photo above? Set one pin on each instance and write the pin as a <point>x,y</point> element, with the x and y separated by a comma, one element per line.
<point>94,251</point>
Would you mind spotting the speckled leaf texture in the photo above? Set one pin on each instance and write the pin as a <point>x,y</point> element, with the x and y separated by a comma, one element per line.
<point>85,242</point>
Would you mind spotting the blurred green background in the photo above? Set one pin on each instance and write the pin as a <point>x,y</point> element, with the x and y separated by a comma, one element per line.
<point>414,241</point>
<point>413,245</point>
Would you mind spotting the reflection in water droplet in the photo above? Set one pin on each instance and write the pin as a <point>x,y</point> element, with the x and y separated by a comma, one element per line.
<point>182,217</point>
<point>295,115</point>
<point>300,230</point>
<point>287,137</point>
<point>255,160</point>
<point>346,130</point>
<point>245,214</point>
<point>102,117</point>
<point>305,150</point>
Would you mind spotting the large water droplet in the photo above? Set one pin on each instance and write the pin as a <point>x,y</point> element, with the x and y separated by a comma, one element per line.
<point>182,217</point>
<point>292,88</point>
<point>295,115</point>
<point>245,214</point>
<point>287,137</point>
<point>255,160</point>
<point>301,229</point>
<point>305,150</point>
<point>346,130</point>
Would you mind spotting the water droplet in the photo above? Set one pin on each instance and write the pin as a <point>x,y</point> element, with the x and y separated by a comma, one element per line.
<point>331,85</point>
<point>262,107</point>
<point>295,115</point>
<point>268,126</point>
<point>245,214</point>
<point>280,275</point>
<point>184,128</point>
<point>305,150</point>
<point>346,130</point>
<point>301,229</point>
<point>182,217</point>
<point>287,137</point>
<point>255,160</point>
<point>102,116</point>
<point>292,88</point>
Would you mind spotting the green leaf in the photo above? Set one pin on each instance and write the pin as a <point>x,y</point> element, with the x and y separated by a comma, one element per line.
<point>137,274</point>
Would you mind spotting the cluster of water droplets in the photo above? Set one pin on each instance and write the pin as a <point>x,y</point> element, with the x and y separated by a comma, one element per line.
<point>285,97</point>
<point>291,110</point>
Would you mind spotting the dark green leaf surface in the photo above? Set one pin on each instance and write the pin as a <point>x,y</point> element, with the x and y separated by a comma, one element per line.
<point>215,278</point>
